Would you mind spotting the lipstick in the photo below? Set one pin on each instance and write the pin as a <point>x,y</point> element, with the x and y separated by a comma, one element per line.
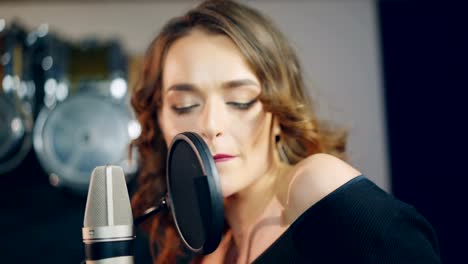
<point>222,157</point>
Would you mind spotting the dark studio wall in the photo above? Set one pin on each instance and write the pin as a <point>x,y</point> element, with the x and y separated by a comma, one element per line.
<point>425,47</point>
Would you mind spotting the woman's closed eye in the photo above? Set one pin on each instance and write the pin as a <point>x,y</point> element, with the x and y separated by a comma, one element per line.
<point>237,105</point>
<point>183,109</point>
<point>243,106</point>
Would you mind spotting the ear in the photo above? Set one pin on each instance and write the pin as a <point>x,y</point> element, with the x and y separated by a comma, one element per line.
<point>280,154</point>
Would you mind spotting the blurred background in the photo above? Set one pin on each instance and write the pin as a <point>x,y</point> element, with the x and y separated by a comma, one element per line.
<point>389,71</point>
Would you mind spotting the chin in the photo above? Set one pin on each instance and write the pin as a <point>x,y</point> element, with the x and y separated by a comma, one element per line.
<point>229,190</point>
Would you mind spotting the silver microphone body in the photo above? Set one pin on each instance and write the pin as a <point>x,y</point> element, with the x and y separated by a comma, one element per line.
<point>108,230</point>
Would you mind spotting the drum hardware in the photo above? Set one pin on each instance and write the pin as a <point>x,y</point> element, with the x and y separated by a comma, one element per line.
<point>85,120</point>
<point>16,98</point>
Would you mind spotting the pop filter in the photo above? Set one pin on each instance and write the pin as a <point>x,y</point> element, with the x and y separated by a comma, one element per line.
<point>193,194</point>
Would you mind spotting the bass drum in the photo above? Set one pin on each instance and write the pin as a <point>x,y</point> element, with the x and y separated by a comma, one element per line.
<point>84,131</point>
<point>15,136</point>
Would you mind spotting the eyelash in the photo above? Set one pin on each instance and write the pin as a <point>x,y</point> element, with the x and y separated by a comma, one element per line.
<point>183,110</point>
<point>239,106</point>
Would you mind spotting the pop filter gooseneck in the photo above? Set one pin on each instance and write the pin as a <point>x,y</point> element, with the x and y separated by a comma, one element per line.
<point>193,194</point>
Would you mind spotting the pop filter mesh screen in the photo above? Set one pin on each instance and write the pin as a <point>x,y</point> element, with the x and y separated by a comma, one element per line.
<point>184,168</point>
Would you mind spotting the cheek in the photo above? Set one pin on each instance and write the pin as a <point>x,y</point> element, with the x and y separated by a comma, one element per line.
<point>254,131</point>
<point>169,127</point>
<point>171,124</point>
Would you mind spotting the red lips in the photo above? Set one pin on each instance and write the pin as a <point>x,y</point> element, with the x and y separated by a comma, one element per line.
<point>222,157</point>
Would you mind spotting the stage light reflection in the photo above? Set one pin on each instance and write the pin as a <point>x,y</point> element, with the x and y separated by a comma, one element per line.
<point>62,91</point>
<point>8,83</point>
<point>17,126</point>
<point>6,57</point>
<point>47,63</point>
<point>118,88</point>
<point>134,129</point>
<point>31,38</point>
<point>43,30</point>
<point>50,86</point>
<point>2,24</point>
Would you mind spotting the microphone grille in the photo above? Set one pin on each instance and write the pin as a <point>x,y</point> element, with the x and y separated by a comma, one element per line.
<point>108,202</point>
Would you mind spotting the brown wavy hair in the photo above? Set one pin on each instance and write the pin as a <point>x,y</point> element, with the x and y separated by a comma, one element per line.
<point>274,62</point>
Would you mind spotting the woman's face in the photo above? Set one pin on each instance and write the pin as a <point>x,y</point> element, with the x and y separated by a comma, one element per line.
<point>209,89</point>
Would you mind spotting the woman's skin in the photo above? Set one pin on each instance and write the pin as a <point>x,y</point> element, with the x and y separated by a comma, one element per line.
<point>208,88</point>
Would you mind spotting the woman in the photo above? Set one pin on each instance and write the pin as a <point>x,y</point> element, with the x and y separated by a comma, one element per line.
<point>225,72</point>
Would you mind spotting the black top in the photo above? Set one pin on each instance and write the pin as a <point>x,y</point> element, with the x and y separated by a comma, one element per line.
<point>356,223</point>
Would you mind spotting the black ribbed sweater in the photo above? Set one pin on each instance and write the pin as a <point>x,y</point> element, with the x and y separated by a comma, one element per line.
<point>357,223</point>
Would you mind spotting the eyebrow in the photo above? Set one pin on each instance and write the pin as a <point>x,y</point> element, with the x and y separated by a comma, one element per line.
<point>187,87</point>
<point>181,87</point>
<point>237,83</point>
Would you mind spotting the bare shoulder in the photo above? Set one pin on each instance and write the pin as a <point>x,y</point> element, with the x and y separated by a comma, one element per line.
<point>314,178</point>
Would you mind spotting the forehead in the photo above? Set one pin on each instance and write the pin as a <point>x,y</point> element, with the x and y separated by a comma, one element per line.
<point>204,58</point>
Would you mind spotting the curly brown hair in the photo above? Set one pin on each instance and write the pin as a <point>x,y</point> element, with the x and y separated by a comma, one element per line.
<point>274,62</point>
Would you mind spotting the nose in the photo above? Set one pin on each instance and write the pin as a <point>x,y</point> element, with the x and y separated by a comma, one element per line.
<point>212,120</point>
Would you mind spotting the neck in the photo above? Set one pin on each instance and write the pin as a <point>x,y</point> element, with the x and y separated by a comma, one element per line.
<point>246,209</point>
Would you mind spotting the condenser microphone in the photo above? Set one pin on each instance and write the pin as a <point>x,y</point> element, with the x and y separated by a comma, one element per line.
<point>108,231</point>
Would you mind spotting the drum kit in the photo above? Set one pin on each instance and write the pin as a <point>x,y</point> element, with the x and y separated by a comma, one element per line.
<point>66,102</point>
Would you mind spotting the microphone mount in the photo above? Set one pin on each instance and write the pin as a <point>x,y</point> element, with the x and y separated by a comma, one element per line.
<point>151,211</point>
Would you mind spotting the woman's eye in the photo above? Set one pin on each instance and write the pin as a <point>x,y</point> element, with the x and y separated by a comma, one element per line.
<point>238,105</point>
<point>183,110</point>
<point>243,106</point>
